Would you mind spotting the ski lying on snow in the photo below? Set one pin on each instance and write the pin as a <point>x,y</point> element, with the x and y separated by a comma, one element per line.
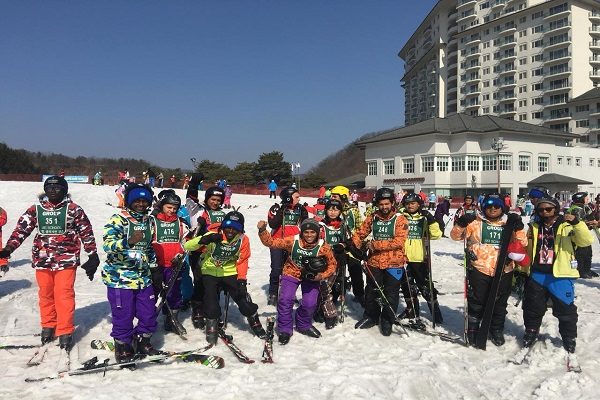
<point>98,344</point>
<point>239,354</point>
<point>39,355</point>
<point>267,355</point>
<point>19,346</point>
<point>419,326</point>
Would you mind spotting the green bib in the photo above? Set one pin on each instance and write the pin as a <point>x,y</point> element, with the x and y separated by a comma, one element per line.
<point>491,234</point>
<point>51,222</point>
<point>143,244</point>
<point>215,216</point>
<point>333,235</point>
<point>290,217</point>
<point>350,220</point>
<point>166,232</point>
<point>224,252</point>
<point>298,253</point>
<point>320,213</point>
<point>384,230</point>
<point>415,229</point>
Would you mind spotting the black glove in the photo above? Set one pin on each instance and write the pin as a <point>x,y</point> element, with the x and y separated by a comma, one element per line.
<point>157,279</point>
<point>201,224</point>
<point>242,287</point>
<point>428,216</point>
<point>211,238</point>
<point>357,253</point>
<point>515,219</point>
<point>5,252</point>
<point>91,265</point>
<point>338,248</point>
<point>465,220</point>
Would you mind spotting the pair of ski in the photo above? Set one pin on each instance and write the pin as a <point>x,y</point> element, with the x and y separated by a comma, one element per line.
<point>267,356</point>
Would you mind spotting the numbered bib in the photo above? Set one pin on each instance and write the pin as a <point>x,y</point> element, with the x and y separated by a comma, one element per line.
<point>51,222</point>
<point>224,252</point>
<point>415,229</point>
<point>384,230</point>
<point>299,253</point>
<point>334,236</point>
<point>215,216</point>
<point>143,244</point>
<point>166,232</point>
<point>290,217</point>
<point>491,234</point>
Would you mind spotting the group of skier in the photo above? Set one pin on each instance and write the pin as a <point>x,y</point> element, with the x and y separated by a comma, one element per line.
<point>146,253</point>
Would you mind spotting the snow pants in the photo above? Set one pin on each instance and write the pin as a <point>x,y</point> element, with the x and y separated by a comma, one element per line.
<point>174,298</point>
<point>583,255</point>
<point>391,289</point>
<point>198,293</point>
<point>356,277</point>
<point>285,305</point>
<point>278,257</point>
<point>477,296</point>
<point>56,295</point>
<point>127,304</point>
<point>213,285</point>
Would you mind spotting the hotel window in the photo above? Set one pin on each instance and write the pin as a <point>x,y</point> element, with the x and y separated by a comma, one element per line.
<point>505,162</point>
<point>442,163</point>
<point>591,162</point>
<point>388,167</point>
<point>372,168</point>
<point>472,163</point>
<point>543,163</point>
<point>488,162</point>
<point>559,160</point>
<point>458,163</point>
<point>569,161</point>
<point>427,164</point>
<point>578,162</point>
<point>584,123</point>
<point>524,162</point>
<point>408,165</point>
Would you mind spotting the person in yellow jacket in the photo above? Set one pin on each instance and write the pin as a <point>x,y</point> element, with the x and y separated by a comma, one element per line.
<point>553,240</point>
<point>482,234</point>
<point>224,265</point>
<point>416,280</point>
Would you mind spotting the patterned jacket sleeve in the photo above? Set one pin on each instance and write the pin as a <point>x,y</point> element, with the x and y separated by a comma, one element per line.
<point>25,225</point>
<point>85,231</point>
<point>268,240</point>
<point>114,236</point>
<point>326,252</point>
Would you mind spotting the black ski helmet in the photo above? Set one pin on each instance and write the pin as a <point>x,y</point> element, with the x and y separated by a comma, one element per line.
<point>550,200</point>
<point>469,197</point>
<point>214,191</point>
<point>286,194</point>
<point>412,197</point>
<point>579,197</point>
<point>57,180</point>
<point>234,220</point>
<point>312,266</point>
<point>169,196</point>
<point>384,194</point>
<point>334,203</point>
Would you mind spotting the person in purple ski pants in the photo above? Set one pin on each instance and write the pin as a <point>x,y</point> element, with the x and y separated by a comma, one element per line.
<point>310,261</point>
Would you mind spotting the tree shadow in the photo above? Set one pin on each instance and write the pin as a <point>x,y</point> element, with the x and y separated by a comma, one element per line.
<point>7,286</point>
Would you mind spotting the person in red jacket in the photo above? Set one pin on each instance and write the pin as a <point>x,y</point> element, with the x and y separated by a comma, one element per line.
<point>284,220</point>
<point>169,233</point>
<point>61,226</point>
<point>3,261</point>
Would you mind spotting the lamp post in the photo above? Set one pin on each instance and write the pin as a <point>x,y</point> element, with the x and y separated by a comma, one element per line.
<point>296,167</point>
<point>498,145</point>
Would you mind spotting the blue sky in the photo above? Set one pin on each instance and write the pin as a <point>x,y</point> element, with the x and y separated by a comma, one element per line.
<point>221,80</point>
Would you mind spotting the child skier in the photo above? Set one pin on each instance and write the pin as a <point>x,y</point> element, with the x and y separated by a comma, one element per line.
<point>127,274</point>
<point>169,233</point>
<point>420,224</point>
<point>482,234</point>
<point>224,265</point>
<point>61,226</point>
<point>310,260</point>
<point>3,261</point>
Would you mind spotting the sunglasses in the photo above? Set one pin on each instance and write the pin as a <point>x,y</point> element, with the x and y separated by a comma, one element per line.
<point>547,209</point>
<point>493,206</point>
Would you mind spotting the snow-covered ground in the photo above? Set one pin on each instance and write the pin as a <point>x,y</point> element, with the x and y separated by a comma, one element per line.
<point>344,364</point>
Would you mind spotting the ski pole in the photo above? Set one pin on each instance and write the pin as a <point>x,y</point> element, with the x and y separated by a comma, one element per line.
<point>429,272</point>
<point>226,312</point>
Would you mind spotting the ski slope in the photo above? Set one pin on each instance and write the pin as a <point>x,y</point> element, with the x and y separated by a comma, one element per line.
<point>344,364</point>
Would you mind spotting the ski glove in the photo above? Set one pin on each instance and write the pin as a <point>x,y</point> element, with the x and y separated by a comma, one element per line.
<point>157,279</point>
<point>201,225</point>
<point>5,252</point>
<point>516,220</point>
<point>356,252</point>
<point>428,216</point>
<point>338,248</point>
<point>91,265</point>
<point>242,287</point>
<point>465,220</point>
<point>211,238</point>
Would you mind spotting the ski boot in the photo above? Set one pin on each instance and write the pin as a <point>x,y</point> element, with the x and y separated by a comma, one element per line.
<point>173,324</point>
<point>123,351</point>
<point>569,344</point>
<point>284,338</point>
<point>530,337</point>
<point>385,326</point>
<point>311,332</point>
<point>330,323</point>
<point>496,336</point>
<point>365,323</point>
<point>198,319</point>
<point>272,300</point>
<point>319,317</point>
<point>47,335</point>
<point>143,345</point>
<point>212,331</point>
<point>437,314</point>
<point>412,309</point>
<point>256,326</point>
<point>472,330</point>
<point>66,342</point>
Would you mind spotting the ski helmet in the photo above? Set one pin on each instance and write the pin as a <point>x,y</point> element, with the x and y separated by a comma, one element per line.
<point>538,193</point>
<point>384,194</point>
<point>493,199</point>
<point>332,203</point>
<point>312,266</point>
<point>136,191</point>
<point>234,220</point>
<point>321,201</point>
<point>214,191</point>
<point>341,191</point>
<point>286,194</point>
<point>409,197</point>
<point>169,197</point>
<point>57,180</point>
<point>469,197</point>
<point>310,224</point>
<point>579,197</point>
<point>549,200</point>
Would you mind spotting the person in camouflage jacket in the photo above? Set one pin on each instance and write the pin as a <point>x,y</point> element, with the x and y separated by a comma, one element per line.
<point>62,226</point>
